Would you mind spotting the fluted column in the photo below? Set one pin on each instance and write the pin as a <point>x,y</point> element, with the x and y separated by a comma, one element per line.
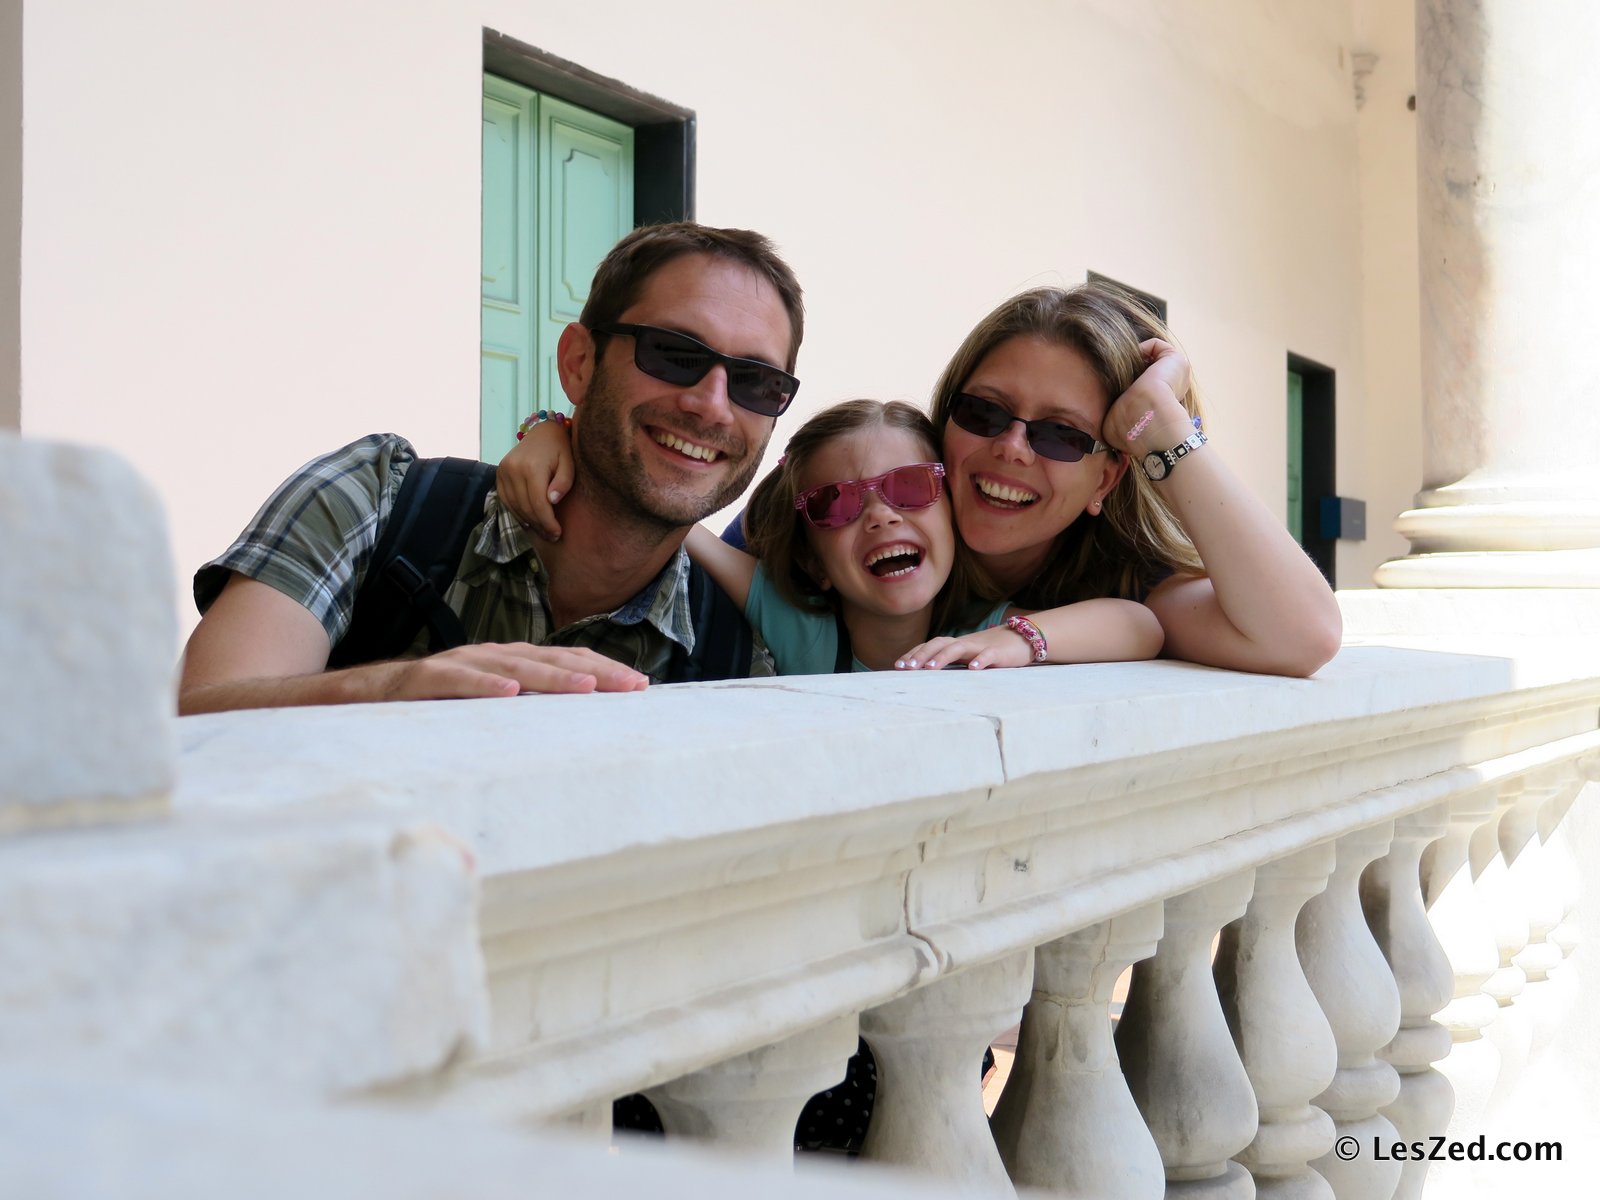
<point>1066,1121</point>
<point>1355,987</point>
<point>928,1113</point>
<point>1391,895</point>
<point>752,1102</point>
<point>1506,200</point>
<point>1284,1039</point>
<point>1178,1055</point>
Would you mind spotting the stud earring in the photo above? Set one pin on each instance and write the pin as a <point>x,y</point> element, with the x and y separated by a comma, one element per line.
<point>1094,508</point>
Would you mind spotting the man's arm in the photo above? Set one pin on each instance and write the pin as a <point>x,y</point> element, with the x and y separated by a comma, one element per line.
<point>257,648</point>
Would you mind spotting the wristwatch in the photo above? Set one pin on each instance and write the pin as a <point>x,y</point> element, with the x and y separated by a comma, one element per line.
<point>1158,464</point>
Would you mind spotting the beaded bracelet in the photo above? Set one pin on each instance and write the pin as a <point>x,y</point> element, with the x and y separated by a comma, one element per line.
<point>560,418</point>
<point>1029,632</point>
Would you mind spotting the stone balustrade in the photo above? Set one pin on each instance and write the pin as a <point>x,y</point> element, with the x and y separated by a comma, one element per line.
<point>515,911</point>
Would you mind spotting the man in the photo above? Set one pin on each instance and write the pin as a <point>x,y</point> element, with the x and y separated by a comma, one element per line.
<point>666,434</point>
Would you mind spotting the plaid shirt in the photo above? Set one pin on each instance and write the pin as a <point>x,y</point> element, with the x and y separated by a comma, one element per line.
<point>314,537</point>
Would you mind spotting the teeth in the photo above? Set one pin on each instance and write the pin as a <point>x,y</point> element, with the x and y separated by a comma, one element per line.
<point>1011,495</point>
<point>673,442</point>
<point>883,552</point>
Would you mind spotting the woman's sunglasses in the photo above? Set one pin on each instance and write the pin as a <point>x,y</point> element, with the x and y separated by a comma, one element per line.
<point>835,505</point>
<point>1050,439</point>
<point>679,359</point>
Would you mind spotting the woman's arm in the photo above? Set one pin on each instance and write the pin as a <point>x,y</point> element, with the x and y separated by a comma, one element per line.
<point>1088,631</point>
<point>534,475</point>
<point>732,569</point>
<point>1262,605</point>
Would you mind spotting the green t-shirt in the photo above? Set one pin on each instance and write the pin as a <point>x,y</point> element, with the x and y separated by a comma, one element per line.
<point>806,641</point>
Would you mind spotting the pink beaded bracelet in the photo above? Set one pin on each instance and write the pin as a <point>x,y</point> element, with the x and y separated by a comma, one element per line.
<point>1029,633</point>
<point>560,418</point>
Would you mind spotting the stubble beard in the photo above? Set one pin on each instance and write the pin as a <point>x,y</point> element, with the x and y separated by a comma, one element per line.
<point>612,470</point>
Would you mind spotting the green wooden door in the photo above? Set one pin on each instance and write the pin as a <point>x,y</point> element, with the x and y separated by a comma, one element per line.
<point>557,193</point>
<point>1296,448</point>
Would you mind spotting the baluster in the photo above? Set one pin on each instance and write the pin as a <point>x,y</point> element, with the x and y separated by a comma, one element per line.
<point>1525,866</point>
<point>1066,1121</point>
<point>1563,866</point>
<point>1283,1037</point>
<point>1179,1058</point>
<point>1391,895</point>
<point>928,1113</point>
<point>752,1102</point>
<point>1356,989</point>
<point>1456,912</point>
<point>1500,900</point>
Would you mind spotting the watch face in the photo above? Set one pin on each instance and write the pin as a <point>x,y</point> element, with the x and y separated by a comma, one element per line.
<point>1154,465</point>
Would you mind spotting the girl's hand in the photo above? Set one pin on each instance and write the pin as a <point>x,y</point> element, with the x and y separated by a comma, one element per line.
<point>1150,414</point>
<point>997,647</point>
<point>534,475</point>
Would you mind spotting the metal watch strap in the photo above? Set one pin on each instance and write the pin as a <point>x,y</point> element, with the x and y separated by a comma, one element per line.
<point>1184,448</point>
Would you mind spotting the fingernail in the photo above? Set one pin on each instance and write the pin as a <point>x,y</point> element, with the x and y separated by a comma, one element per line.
<point>899,664</point>
<point>912,663</point>
<point>555,496</point>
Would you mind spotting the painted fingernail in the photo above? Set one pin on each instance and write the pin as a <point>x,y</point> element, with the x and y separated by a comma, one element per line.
<point>555,496</point>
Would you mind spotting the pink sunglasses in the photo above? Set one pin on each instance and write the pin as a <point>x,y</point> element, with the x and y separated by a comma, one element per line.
<point>835,505</point>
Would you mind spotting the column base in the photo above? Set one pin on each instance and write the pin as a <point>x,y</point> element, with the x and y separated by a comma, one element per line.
<point>1482,537</point>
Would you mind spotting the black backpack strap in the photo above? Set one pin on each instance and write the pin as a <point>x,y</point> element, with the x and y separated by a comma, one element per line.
<point>723,642</point>
<point>414,562</point>
<point>843,658</point>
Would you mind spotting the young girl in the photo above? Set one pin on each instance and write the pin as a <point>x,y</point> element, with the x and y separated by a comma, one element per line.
<point>855,564</point>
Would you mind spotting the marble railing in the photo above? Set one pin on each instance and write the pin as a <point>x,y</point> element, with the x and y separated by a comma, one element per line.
<point>514,911</point>
<point>705,893</point>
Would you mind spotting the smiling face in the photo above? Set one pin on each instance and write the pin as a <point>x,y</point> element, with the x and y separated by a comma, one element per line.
<point>665,454</point>
<point>1010,503</point>
<point>888,561</point>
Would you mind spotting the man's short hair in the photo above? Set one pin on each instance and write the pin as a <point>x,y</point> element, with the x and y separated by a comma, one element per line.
<point>622,273</point>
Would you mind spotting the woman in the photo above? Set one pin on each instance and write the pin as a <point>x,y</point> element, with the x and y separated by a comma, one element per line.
<point>1053,520</point>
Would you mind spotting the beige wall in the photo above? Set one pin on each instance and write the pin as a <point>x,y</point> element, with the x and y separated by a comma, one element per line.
<point>252,233</point>
<point>10,213</point>
<point>1388,426</point>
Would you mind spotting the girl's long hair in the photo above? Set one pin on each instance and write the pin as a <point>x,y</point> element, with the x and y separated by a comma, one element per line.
<point>1137,540</point>
<point>775,532</point>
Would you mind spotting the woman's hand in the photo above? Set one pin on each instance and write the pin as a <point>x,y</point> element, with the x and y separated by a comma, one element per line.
<point>1150,414</point>
<point>997,647</point>
<point>534,475</point>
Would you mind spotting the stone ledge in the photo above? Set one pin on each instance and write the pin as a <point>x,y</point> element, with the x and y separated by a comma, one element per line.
<point>318,957</point>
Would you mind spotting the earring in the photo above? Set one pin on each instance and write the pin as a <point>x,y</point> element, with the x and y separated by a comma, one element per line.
<point>1094,508</point>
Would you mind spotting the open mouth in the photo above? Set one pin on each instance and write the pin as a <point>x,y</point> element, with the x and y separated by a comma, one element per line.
<point>1003,495</point>
<point>683,447</point>
<point>891,562</point>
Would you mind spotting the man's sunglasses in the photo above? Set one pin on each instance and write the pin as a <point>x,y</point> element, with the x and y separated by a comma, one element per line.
<point>679,359</point>
<point>835,505</point>
<point>1050,439</point>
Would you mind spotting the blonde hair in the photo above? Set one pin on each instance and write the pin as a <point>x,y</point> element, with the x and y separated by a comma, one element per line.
<point>774,530</point>
<point>1137,540</point>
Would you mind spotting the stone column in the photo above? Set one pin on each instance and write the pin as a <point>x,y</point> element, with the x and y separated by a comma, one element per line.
<point>1066,1121</point>
<point>1178,1055</point>
<point>928,1112</point>
<point>752,1102</point>
<point>1507,192</point>
<point>1352,982</point>
<point>1391,895</point>
<point>1562,864</point>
